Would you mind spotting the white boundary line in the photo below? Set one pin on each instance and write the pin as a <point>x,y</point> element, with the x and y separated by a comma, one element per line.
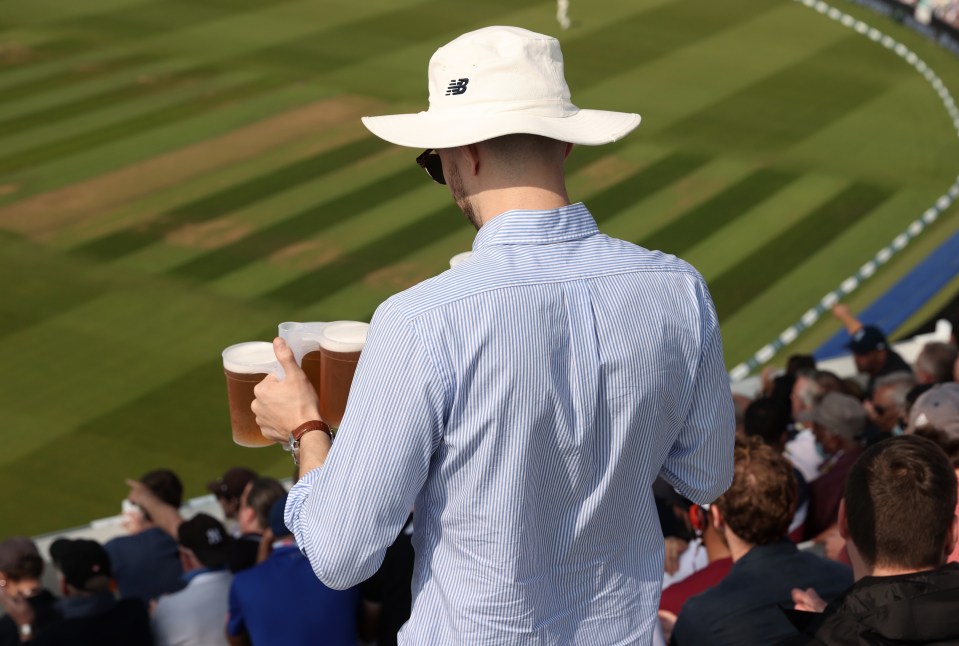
<point>898,243</point>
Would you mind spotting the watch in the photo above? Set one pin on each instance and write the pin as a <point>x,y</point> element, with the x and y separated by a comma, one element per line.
<point>303,429</point>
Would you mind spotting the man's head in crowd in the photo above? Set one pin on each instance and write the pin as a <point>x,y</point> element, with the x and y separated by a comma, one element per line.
<point>935,363</point>
<point>870,349</point>
<point>255,503</point>
<point>768,420</point>
<point>759,504</point>
<point>229,488</point>
<point>166,486</point>
<point>21,565</point>
<point>84,567</point>
<point>899,510</point>
<point>810,387</point>
<point>203,542</point>
<point>887,406</point>
<point>838,421</point>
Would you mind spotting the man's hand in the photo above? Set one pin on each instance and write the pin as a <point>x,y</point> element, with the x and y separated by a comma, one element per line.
<point>281,406</point>
<point>844,316</point>
<point>668,621</point>
<point>162,514</point>
<point>807,600</point>
<point>17,607</point>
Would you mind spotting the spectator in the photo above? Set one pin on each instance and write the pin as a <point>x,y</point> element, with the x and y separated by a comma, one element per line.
<point>147,562</point>
<point>753,516</point>
<point>91,614</point>
<point>194,615</point>
<point>710,539</point>
<point>21,567</point>
<point>228,489</point>
<point>280,601</point>
<point>838,421</point>
<point>886,409</point>
<point>898,517</point>
<point>810,387</point>
<point>253,519</point>
<point>935,363</point>
<point>870,349</point>
<point>935,416</point>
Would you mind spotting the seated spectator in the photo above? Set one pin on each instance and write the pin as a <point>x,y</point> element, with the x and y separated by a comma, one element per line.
<point>886,408</point>
<point>753,516</point>
<point>21,567</point>
<point>898,516</point>
<point>146,563</point>
<point>91,614</point>
<point>280,601</point>
<point>228,489</point>
<point>194,615</point>
<point>935,416</point>
<point>873,355</point>
<point>838,421</point>
<point>935,363</point>
<point>809,389</point>
<point>711,541</point>
<point>253,519</point>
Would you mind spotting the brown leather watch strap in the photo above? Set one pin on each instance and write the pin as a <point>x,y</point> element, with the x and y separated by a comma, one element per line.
<point>312,425</point>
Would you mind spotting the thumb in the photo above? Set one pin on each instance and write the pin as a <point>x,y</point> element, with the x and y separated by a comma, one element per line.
<point>284,355</point>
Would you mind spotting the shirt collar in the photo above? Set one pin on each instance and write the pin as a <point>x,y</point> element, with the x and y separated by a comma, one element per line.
<point>520,227</point>
<point>192,574</point>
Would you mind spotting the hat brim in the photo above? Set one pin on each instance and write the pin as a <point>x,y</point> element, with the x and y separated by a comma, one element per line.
<point>431,130</point>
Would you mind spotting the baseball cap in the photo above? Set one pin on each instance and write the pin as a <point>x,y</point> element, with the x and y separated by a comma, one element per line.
<point>206,537</point>
<point>231,483</point>
<point>80,560</point>
<point>866,339</point>
<point>14,551</point>
<point>498,81</point>
<point>937,407</point>
<point>840,414</point>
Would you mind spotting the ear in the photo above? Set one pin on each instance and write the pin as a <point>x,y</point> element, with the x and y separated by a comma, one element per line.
<point>716,517</point>
<point>843,520</point>
<point>952,536</point>
<point>471,156</point>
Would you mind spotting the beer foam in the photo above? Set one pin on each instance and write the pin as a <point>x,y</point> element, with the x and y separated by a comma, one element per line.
<point>250,358</point>
<point>344,336</point>
<point>460,258</point>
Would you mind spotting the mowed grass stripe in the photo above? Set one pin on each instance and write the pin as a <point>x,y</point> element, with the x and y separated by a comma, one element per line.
<point>756,272</point>
<point>300,226</point>
<point>135,89</point>
<point>79,73</point>
<point>701,222</point>
<point>210,207</point>
<point>781,110</point>
<point>84,141</point>
<point>18,57</point>
<point>648,35</point>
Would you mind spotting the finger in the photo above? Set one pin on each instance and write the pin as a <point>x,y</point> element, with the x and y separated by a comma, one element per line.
<point>284,355</point>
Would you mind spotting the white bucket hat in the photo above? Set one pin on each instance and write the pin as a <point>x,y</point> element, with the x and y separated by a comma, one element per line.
<point>499,81</point>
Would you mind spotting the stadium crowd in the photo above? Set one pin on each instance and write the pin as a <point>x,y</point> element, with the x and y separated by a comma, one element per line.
<point>840,521</point>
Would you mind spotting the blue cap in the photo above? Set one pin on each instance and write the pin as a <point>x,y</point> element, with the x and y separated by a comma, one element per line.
<point>866,339</point>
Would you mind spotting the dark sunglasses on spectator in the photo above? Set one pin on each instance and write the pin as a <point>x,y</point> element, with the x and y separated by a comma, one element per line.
<point>430,162</point>
<point>880,410</point>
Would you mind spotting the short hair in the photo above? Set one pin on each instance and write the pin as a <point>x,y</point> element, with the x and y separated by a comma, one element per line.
<point>899,383</point>
<point>900,503</point>
<point>948,444</point>
<point>799,363</point>
<point>263,493</point>
<point>759,505</point>
<point>165,485</point>
<point>766,419</point>
<point>937,359</point>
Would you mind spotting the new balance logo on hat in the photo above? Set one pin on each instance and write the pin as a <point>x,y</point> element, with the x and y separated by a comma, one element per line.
<point>457,86</point>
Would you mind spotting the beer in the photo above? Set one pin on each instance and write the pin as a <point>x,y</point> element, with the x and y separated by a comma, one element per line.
<point>303,339</point>
<point>340,347</point>
<point>245,365</point>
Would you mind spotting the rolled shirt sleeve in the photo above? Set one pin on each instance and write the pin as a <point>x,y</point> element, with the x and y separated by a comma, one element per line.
<point>346,513</point>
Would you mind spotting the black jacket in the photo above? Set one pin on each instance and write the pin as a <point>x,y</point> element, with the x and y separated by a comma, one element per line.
<point>917,608</point>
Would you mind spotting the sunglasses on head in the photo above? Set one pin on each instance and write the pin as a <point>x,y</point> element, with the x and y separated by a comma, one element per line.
<point>430,162</point>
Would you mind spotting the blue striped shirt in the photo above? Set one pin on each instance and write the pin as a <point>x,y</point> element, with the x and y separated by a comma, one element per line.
<point>524,402</point>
